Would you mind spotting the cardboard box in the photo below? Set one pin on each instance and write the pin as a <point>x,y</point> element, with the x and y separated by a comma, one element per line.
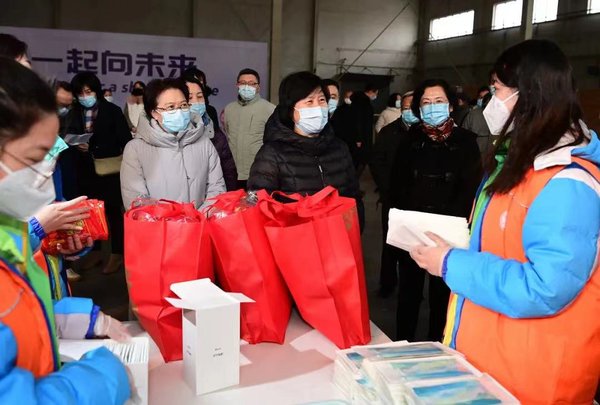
<point>211,334</point>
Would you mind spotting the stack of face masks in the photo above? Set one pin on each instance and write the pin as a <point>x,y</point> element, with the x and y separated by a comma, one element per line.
<point>414,373</point>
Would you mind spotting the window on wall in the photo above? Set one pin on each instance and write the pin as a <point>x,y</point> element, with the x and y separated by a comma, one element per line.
<point>455,25</point>
<point>544,10</point>
<point>593,6</point>
<point>507,14</point>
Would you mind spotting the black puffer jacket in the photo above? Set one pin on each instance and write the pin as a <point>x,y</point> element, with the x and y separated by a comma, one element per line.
<point>293,163</point>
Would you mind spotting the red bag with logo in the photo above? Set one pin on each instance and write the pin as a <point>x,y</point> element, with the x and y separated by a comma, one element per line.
<point>165,242</point>
<point>244,263</point>
<point>317,246</point>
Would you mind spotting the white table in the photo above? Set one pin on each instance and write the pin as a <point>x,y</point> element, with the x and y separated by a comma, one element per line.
<point>298,372</point>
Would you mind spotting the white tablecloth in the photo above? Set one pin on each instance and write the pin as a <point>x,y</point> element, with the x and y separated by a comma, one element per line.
<point>297,372</point>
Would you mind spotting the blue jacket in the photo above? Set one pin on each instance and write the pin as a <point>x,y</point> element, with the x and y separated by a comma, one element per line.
<point>95,379</point>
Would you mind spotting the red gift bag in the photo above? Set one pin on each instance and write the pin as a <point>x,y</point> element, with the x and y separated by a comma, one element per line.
<point>244,263</point>
<point>317,246</point>
<point>165,243</point>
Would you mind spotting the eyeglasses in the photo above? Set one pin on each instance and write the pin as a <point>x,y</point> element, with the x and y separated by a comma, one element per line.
<point>42,178</point>
<point>253,84</point>
<point>170,109</point>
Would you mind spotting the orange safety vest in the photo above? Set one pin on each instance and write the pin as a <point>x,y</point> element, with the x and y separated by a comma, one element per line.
<point>553,360</point>
<point>21,310</point>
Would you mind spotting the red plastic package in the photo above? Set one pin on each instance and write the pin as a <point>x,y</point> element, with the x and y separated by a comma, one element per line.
<point>94,227</point>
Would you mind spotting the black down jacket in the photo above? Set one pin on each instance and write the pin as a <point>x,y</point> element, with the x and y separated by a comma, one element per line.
<point>293,163</point>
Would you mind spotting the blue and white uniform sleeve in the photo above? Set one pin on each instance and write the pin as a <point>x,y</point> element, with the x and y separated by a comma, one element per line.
<point>75,317</point>
<point>36,234</point>
<point>560,238</point>
<point>98,378</point>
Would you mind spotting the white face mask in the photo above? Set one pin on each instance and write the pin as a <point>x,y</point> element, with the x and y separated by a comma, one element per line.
<point>347,100</point>
<point>109,98</point>
<point>312,119</point>
<point>497,113</point>
<point>23,192</point>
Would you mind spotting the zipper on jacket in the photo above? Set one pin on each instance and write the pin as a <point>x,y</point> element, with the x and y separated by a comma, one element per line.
<point>321,171</point>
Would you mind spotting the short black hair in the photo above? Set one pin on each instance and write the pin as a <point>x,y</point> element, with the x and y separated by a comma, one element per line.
<point>61,84</point>
<point>195,72</point>
<point>420,90</point>
<point>105,90</point>
<point>294,88</point>
<point>329,82</point>
<point>248,71</point>
<point>392,99</point>
<point>371,87</point>
<point>156,87</point>
<point>24,99</point>
<point>89,79</point>
<point>141,83</point>
<point>11,47</point>
<point>464,97</point>
<point>192,79</point>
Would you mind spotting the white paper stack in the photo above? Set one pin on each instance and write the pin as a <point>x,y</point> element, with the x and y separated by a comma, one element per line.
<point>407,229</point>
<point>413,373</point>
<point>134,355</point>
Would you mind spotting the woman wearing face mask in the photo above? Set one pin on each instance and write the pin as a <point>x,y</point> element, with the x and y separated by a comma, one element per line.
<point>200,116</point>
<point>30,371</point>
<point>300,152</point>
<point>528,288</point>
<point>194,72</point>
<point>98,162</point>
<point>392,112</point>
<point>134,106</point>
<point>437,169</point>
<point>171,157</point>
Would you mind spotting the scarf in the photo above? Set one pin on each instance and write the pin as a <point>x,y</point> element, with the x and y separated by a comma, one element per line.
<point>439,133</point>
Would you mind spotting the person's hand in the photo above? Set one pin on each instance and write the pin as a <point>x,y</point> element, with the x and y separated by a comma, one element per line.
<point>84,147</point>
<point>74,245</point>
<point>133,129</point>
<point>108,326</point>
<point>429,258</point>
<point>62,216</point>
<point>359,144</point>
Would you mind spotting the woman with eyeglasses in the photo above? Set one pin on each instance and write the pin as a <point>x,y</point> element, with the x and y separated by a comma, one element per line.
<point>30,368</point>
<point>170,157</point>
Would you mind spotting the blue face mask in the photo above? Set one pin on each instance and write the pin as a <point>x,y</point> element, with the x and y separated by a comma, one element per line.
<point>246,92</point>
<point>63,111</point>
<point>175,122</point>
<point>332,105</point>
<point>87,101</point>
<point>480,102</point>
<point>435,114</point>
<point>312,119</point>
<point>409,117</point>
<point>198,108</point>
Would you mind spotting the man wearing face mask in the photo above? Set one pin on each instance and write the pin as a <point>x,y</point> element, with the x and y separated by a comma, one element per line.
<point>437,170</point>
<point>389,139</point>
<point>134,106</point>
<point>244,122</point>
<point>301,153</point>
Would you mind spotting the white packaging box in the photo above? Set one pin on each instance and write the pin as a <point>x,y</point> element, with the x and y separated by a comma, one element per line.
<point>211,334</point>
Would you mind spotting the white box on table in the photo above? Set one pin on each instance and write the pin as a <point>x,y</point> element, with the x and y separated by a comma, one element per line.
<point>211,334</point>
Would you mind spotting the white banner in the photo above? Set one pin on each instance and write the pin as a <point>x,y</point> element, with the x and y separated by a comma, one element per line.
<point>121,59</point>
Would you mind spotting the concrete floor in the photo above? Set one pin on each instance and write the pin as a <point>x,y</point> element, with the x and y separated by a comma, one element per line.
<point>110,291</point>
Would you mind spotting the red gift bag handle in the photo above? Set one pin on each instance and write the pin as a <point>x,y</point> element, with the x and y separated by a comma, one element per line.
<point>320,203</point>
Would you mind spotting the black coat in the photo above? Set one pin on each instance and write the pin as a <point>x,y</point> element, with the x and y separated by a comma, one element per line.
<point>436,177</point>
<point>384,153</point>
<point>111,132</point>
<point>293,163</point>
